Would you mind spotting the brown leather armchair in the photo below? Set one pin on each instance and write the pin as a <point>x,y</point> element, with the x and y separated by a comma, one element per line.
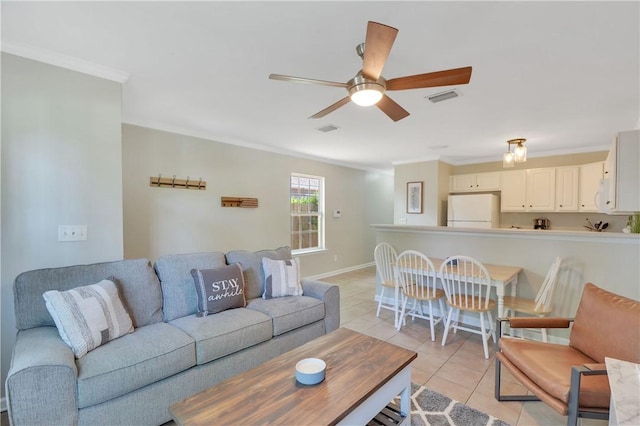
<point>572,379</point>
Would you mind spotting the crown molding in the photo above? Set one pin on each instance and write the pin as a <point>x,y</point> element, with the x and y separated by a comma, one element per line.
<point>64,61</point>
<point>179,130</point>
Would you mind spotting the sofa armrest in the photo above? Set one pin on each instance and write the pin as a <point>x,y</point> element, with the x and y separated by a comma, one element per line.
<point>330,295</point>
<point>43,369</point>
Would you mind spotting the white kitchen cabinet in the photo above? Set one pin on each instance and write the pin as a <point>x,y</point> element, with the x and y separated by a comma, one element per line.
<point>567,188</point>
<point>620,190</point>
<point>475,182</point>
<point>541,190</point>
<point>461,183</point>
<point>513,195</point>
<point>530,190</point>
<point>589,179</point>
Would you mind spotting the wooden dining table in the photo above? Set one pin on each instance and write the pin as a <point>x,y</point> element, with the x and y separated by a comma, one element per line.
<point>501,277</point>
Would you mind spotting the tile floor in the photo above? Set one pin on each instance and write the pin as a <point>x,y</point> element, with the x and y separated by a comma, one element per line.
<point>458,370</point>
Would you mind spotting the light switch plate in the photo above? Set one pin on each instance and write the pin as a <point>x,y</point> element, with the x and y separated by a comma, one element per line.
<point>72,232</point>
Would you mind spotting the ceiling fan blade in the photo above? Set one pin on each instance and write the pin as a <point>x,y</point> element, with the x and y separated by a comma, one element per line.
<point>305,80</point>
<point>391,108</point>
<point>431,79</point>
<point>332,108</point>
<point>377,46</point>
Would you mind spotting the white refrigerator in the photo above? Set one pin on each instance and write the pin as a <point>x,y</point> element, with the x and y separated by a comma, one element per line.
<point>473,211</point>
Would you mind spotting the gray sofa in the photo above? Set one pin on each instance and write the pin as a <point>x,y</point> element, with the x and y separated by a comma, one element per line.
<point>170,355</point>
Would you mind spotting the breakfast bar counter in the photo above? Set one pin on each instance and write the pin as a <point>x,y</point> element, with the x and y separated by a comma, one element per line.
<point>608,259</point>
<point>515,232</point>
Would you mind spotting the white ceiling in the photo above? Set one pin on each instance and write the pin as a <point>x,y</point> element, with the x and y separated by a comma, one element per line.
<point>564,75</point>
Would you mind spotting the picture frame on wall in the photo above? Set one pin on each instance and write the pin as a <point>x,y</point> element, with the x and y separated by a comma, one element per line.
<point>414,197</point>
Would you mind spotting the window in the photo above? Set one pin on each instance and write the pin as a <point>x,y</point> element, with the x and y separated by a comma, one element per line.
<point>307,208</point>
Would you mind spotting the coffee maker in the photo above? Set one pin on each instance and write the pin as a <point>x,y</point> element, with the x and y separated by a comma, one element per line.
<point>541,223</point>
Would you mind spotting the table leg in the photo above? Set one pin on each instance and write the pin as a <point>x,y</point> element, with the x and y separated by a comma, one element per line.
<point>500,294</point>
<point>500,285</point>
<point>405,402</point>
<point>396,315</point>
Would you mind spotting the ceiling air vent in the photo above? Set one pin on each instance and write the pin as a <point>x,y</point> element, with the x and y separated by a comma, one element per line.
<point>327,128</point>
<point>443,96</point>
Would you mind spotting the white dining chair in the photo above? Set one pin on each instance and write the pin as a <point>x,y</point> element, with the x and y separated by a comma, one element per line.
<point>467,285</point>
<point>542,304</point>
<point>385,257</point>
<point>417,278</point>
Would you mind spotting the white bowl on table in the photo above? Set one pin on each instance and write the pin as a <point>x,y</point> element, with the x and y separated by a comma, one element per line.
<point>310,371</point>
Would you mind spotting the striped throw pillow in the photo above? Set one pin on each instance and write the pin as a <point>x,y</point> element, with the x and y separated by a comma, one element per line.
<point>282,278</point>
<point>87,317</point>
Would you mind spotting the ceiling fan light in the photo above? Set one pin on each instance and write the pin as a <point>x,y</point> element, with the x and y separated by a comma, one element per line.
<point>366,94</point>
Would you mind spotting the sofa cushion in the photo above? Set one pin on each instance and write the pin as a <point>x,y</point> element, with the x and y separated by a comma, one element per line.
<point>617,336</point>
<point>219,289</point>
<point>289,313</point>
<point>178,291</point>
<point>281,278</point>
<point>225,333</point>
<point>147,355</point>
<point>251,263</point>
<point>139,289</point>
<point>549,366</point>
<point>89,316</point>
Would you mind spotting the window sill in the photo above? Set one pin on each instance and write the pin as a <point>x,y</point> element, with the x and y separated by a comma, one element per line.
<point>306,252</point>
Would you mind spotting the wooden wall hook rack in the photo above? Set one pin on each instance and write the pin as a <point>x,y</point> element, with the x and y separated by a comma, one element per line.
<point>239,202</point>
<point>172,182</point>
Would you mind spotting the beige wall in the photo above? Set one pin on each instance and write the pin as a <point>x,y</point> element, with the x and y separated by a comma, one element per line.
<point>435,178</point>
<point>61,165</point>
<point>160,221</point>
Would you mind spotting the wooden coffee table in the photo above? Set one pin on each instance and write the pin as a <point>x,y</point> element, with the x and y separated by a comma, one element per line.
<point>363,375</point>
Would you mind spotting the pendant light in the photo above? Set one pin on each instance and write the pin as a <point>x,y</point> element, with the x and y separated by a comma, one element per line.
<point>519,155</point>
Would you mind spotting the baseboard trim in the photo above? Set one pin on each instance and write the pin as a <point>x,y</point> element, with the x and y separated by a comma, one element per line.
<point>340,271</point>
<point>3,404</point>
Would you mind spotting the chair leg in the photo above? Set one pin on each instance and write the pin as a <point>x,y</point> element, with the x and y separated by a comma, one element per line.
<point>433,333</point>
<point>446,327</point>
<point>456,322</point>
<point>401,320</point>
<point>491,326</point>
<point>485,336</point>
<point>443,310</point>
<point>380,302</point>
<point>497,392</point>
<point>544,335</point>
<point>405,298</point>
<point>413,311</point>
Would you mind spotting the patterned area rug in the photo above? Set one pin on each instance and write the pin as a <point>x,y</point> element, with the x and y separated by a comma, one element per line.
<point>432,408</point>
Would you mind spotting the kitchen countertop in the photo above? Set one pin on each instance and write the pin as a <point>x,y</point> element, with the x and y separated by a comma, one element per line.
<point>619,237</point>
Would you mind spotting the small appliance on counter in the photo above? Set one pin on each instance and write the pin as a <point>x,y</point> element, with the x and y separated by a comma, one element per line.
<point>541,223</point>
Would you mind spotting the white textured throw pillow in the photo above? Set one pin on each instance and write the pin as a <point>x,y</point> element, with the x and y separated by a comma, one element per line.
<point>282,278</point>
<point>87,317</point>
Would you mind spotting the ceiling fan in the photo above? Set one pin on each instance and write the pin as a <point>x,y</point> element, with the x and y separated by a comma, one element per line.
<point>368,87</point>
